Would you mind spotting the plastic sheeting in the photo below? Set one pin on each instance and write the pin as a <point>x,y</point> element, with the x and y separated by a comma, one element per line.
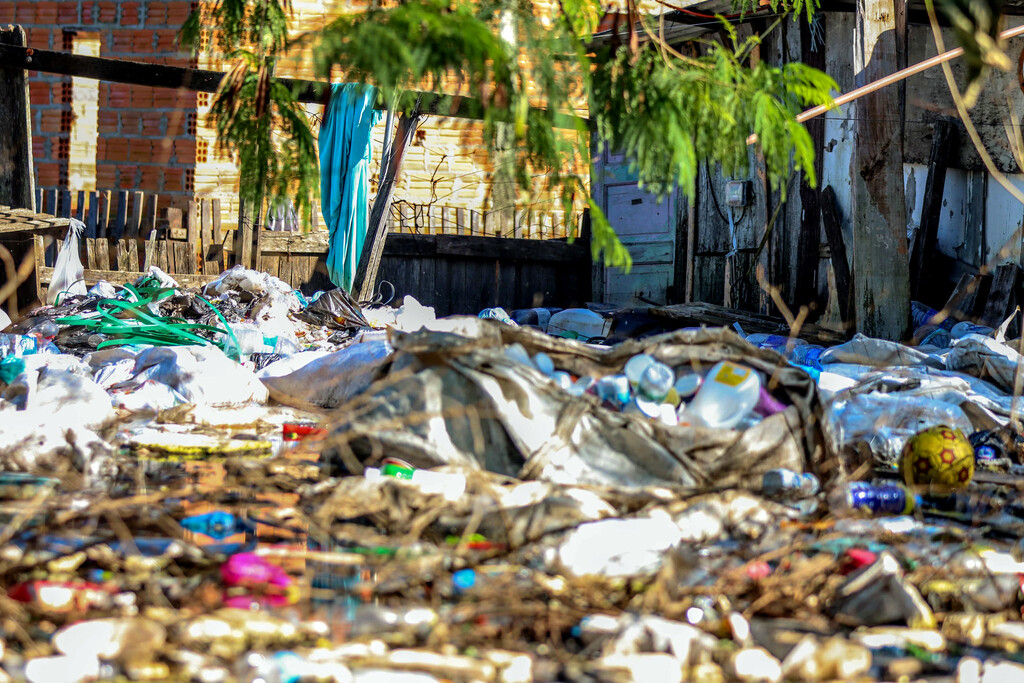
<point>452,399</point>
<point>344,170</point>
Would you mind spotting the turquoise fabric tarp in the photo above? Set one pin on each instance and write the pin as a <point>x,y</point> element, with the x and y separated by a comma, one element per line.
<point>344,169</point>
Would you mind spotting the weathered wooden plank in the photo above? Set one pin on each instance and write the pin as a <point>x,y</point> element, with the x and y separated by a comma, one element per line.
<point>285,269</point>
<point>123,246</point>
<point>91,260</point>
<point>191,219</point>
<point>50,201</point>
<point>79,212</point>
<point>365,279</point>
<point>272,264</point>
<point>93,216</point>
<point>120,277</point>
<point>133,223</point>
<point>176,224</point>
<point>103,253</point>
<point>17,177</point>
<point>133,254</point>
<point>212,260</point>
<point>968,297</point>
<point>927,240</point>
<point>149,259</point>
<point>882,283</point>
<point>221,256</point>
<point>103,227</point>
<point>120,217</point>
<point>64,207</point>
<point>150,213</point>
<point>837,246</point>
<point>243,245</point>
<point>160,256</point>
<point>1002,296</point>
<point>296,243</point>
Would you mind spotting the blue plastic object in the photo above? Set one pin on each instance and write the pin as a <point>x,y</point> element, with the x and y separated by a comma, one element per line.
<point>218,525</point>
<point>345,136</point>
<point>463,580</point>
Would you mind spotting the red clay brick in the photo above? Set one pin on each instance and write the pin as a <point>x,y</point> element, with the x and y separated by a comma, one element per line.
<point>127,177</point>
<point>25,13</point>
<point>120,95</point>
<point>162,150</point>
<point>88,9</point>
<point>177,12</point>
<point>140,151</point>
<point>142,97</point>
<point>131,123</point>
<point>7,13</point>
<point>107,13</point>
<point>153,123</point>
<point>156,14</point>
<point>185,151</point>
<point>39,150</point>
<point>120,41</point>
<point>67,13</point>
<point>142,42</point>
<point>129,13</point>
<point>106,175</point>
<point>116,150</point>
<point>166,40</point>
<point>38,37</point>
<point>106,121</point>
<point>38,93</point>
<point>174,180</point>
<point>152,178</point>
<point>48,175</point>
<point>46,13</point>
<point>49,121</point>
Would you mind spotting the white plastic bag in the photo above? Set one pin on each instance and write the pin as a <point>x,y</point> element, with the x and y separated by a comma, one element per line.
<point>68,274</point>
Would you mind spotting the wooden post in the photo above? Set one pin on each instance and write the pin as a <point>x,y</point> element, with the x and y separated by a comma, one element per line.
<point>928,233</point>
<point>377,230</point>
<point>880,259</point>
<point>837,247</point>
<point>17,182</point>
<point>806,291</point>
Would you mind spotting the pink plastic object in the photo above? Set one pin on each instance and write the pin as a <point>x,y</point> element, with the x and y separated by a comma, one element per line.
<point>250,570</point>
<point>768,404</point>
<point>247,601</point>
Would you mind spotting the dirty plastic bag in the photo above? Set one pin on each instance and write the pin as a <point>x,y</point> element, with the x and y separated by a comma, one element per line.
<point>458,399</point>
<point>884,422</point>
<point>336,309</point>
<point>987,359</point>
<point>68,273</point>
<point>864,350</point>
<point>202,374</point>
<point>332,380</point>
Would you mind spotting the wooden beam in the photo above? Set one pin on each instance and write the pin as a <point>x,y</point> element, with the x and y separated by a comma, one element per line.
<point>377,229</point>
<point>837,247</point>
<point>943,139</point>
<point>200,80</point>
<point>880,254</point>
<point>17,181</point>
<point>805,291</point>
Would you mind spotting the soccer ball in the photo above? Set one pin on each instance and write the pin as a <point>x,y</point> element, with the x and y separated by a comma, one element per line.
<point>938,455</point>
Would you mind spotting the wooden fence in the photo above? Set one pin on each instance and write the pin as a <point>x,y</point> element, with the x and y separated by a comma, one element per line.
<point>454,273</point>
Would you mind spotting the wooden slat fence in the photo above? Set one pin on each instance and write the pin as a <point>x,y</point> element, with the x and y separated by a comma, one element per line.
<point>438,219</point>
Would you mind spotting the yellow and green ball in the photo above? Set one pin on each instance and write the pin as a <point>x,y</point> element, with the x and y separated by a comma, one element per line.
<point>940,456</point>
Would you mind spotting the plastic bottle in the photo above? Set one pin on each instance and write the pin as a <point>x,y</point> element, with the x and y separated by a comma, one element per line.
<point>635,366</point>
<point>933,335</point>
<point>613,389</point>
<point>449,484</point>
<point>961,330</point>
<point>783,483</point>
<point>860,497</point>
<point>687,385</point>
<point>497,314</point>
<point>807,355</point>
<point>579,323</point>
<point>729,393</point>
<point>533,317</point>
<point>775,342</point>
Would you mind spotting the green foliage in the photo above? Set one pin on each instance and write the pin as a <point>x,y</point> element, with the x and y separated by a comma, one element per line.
<point>257,117</point>
<point>529,74</point>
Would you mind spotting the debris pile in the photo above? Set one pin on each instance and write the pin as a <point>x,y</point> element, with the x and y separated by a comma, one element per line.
<point>236,483</point>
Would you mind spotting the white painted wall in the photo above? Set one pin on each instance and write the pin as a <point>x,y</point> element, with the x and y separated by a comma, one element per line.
<point>1003,216</point>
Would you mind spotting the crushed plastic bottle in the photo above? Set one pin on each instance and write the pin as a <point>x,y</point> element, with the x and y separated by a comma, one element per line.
<point>729,393</point>
<point>860,497</point>
<point>783,483</point>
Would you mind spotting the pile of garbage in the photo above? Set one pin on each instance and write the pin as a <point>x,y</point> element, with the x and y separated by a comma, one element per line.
<point>237,483</point>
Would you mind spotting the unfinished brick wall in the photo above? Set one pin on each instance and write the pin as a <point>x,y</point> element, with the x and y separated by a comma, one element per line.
<point>158,139</point>
<point>141,138</point>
